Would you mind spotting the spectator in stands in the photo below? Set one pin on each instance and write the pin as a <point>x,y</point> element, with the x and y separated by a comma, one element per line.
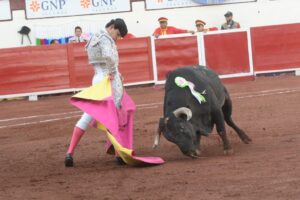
<point>54,41</point>
<point>230,24</point>
<point>164,29</point>
<point>103,55</point>
<point>78,36</point>
<point>200,25</point>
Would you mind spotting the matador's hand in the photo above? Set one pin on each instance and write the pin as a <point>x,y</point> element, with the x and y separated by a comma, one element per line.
<point>111,77</point>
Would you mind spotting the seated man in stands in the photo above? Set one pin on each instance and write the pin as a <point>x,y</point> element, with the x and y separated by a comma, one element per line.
<point>200,25</point>
<point>230,24</point>
<point>78,36</point>
<point>164,29</point>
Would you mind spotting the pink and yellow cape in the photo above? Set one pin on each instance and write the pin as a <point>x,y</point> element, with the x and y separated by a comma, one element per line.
<point>97,101</point>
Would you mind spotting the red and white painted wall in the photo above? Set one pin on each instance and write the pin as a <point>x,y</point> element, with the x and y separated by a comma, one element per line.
<point>234,55</point>
<point>142,22</point>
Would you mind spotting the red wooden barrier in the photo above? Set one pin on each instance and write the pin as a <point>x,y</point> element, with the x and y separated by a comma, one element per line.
<point>276,47</point>
<point>32,69</point>
<point>78,60</point>
<point>44,68</point>
<point>172,53</point>
<point>227,53</point>
<point>136,59</point>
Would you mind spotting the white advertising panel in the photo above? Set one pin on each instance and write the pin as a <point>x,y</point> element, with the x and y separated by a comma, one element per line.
<point>5,13</point>
<point>63,8</point>
<point>163,4</point>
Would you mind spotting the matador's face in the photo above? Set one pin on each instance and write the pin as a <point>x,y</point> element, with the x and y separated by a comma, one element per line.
<point>114,33</point>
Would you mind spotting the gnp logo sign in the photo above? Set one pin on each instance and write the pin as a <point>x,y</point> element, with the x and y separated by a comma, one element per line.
<point>47,5</point>
<point>97,3</point>
<point>46,8</point>
<point>62,8</point>
<point>106,6</point>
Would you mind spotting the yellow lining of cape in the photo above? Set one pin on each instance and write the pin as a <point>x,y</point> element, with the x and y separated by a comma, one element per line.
<point>92,92</point>
<point>124,153</point>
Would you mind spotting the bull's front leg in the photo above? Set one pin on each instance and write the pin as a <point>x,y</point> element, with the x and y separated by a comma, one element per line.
<point>161,128</point>
<point>198,142</point>
<point>220,125</point>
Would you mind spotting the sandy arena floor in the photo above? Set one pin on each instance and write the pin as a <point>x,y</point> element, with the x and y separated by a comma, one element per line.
<point>34,137</point>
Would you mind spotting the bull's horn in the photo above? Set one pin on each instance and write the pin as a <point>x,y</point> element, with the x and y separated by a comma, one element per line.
<point>183,110</point>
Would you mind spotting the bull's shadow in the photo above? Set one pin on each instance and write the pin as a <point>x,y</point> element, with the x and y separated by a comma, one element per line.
<point>195,101</point>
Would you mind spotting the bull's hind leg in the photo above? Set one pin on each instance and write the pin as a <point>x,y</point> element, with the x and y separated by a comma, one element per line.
<point>220,125</point>
<point>227,111</point>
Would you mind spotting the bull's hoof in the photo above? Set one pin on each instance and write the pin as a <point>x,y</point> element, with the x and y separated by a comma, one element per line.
<point>194,156</point>
<point>198,152</point>
<point>247,140</point>
<point>228,152</point>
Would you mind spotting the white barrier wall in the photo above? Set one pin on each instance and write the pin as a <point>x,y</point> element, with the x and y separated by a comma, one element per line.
<point>142,23</point>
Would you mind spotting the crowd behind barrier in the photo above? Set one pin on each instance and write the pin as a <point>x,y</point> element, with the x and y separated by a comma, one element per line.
<point>164,29</point>
<point>235,54</point>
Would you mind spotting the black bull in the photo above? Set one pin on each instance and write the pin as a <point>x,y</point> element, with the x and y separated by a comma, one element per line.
<point>186,119</point>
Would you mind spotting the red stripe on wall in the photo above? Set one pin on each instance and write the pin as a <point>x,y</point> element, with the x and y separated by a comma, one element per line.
<point>135,59</point>
<point>31,69</point>
<point>227,53</point>
<point>276,47</point>
<point>172,53</point>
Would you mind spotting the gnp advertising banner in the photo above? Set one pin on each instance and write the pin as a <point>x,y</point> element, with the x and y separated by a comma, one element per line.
<point>63,8</point>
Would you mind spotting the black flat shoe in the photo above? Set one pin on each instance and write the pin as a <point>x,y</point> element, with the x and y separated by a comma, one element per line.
<point>69,160</point>
<point>120,161</point>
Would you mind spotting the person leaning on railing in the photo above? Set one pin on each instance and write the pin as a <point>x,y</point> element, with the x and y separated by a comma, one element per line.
<point>200,25</point>
<point>164,29</point>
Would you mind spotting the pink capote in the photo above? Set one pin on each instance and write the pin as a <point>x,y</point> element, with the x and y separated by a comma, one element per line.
<point>119,122</point>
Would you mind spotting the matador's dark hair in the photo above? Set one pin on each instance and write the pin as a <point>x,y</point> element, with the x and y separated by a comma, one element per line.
<point>111,22</point>
<point>118,24</point>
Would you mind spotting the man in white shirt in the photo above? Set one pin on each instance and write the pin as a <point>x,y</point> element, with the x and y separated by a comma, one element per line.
<point>78,36</point>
